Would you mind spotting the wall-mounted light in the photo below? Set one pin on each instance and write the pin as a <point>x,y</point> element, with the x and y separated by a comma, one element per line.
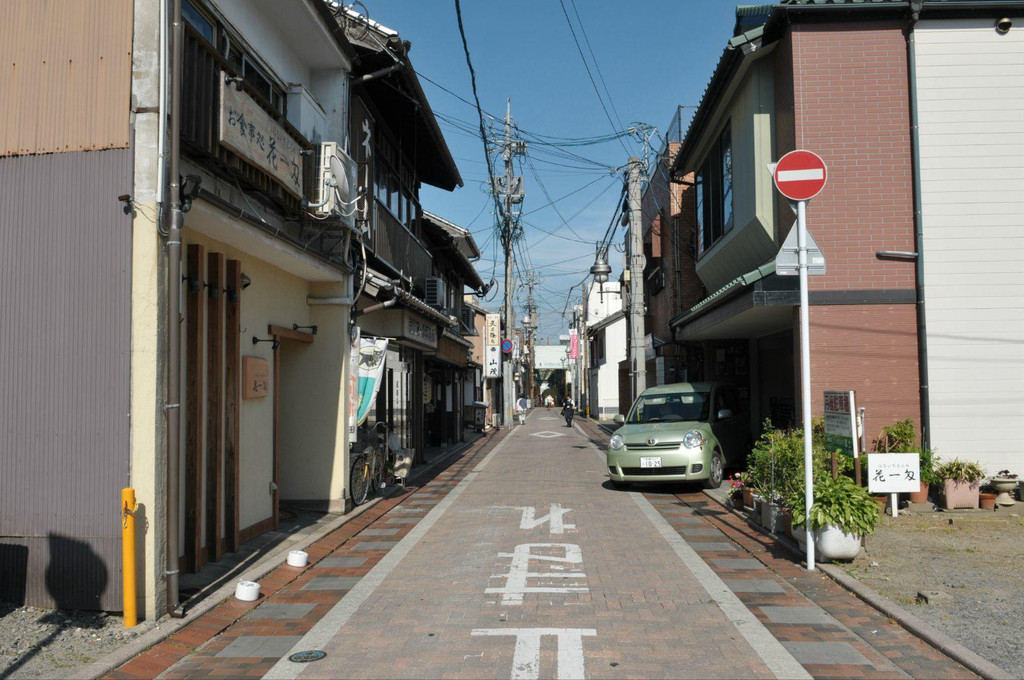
<point>1004,25</point>
<point>189,191</point>
<point>275,341</point>
<point>311,329</point>
<point>236,80</point>
<point>904,255</point>
<point>246,281</point>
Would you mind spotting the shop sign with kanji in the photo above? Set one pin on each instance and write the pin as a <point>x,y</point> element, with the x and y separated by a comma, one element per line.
<point>894,472</point>
<point>249,131</point>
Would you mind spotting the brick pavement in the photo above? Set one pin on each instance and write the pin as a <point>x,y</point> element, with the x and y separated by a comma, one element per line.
<point>664,585</point>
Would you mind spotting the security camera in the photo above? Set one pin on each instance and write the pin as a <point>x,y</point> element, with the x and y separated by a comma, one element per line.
<point>1003,26</point>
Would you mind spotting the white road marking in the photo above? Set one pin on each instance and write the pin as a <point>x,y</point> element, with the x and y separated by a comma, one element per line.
<point>526,659</point>
<point>519,572</point>
<point>547,434</point>
<point>555,516</point>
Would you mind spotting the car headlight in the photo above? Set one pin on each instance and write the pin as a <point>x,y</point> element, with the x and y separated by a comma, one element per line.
<point>694,440</point>
<point>616,442</point>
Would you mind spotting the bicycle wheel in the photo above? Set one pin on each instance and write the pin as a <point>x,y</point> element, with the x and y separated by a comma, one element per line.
<point>377,469</point>
<point>359,480</point>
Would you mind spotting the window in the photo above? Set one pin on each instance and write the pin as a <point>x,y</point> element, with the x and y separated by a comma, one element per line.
<point>197,20</point>
<point>713,187</point>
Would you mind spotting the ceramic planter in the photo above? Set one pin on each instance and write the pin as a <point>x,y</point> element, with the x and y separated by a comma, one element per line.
<point>920,496</point>
<point>835,544</point>
<point>771,517</point>
<point>960,495</point>
<point>987,501</point>
<point>1004,486</point>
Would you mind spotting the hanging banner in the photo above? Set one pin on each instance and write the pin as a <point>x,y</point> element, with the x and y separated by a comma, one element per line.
<point>574,344</point>
<point>372,353</point>
<point>492,361</point>
<point>353,386</point>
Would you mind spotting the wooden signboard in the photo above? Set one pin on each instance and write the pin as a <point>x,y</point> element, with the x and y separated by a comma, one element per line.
<point>255,378</point>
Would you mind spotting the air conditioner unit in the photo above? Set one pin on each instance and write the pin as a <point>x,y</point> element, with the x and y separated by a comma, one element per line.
<point>434,293</point>
<point>336,185</point>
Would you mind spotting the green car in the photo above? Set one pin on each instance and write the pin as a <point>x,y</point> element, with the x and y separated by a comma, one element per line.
<point>684,432</point>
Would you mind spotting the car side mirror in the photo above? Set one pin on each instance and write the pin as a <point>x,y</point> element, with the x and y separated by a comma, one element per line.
<point>619,419</point>
<point>724,413</point>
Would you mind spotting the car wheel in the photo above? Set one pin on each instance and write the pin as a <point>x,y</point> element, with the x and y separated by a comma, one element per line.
<point>717,472</point>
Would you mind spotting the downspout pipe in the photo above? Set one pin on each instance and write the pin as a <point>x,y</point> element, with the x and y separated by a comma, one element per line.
<point>915,150</point>
<point>175,221</point>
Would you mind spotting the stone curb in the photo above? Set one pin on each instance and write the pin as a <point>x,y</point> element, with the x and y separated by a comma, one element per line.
<point>166,626</point>
<point>922,630</point>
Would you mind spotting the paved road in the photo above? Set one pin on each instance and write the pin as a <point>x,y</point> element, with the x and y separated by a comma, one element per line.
<point>522,562</point>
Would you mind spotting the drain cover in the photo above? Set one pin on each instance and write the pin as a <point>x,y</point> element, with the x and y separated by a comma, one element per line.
<point>307,656</point>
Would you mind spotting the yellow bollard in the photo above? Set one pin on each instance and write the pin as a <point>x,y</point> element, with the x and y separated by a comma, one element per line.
<point>128,555</point>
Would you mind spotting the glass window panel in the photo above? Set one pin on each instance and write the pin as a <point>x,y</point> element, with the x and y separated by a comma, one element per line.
<point>726,144</point>
<point>699,187</point>
<point>197,21</point>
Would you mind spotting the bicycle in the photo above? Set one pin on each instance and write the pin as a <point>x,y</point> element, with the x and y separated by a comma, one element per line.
<point>368,466</point>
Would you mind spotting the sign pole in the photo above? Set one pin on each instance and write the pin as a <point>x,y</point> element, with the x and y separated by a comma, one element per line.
<point>805,377</point>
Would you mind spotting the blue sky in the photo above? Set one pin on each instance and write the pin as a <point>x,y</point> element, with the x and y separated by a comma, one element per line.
<point>651,55</point>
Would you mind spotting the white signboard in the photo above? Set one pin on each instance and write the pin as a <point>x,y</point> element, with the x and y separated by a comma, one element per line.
<point>841,423</point>
<point>492,361</point>
<point>894,472</point>
<point>493,330</point>
<point>249,131</point>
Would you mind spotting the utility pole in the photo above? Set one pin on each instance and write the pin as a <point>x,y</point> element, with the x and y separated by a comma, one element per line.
<point>510,188</point>
<point>638,364</point>
<point>530,329</point>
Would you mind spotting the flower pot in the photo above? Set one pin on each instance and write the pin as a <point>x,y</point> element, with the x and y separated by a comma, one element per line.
<point>987,501</point>
<point>1004,486</point>
<point>882,502</point>
<point>787,523</point>
<point>920,496</point>
<point>771,517</point>
<point>960,495</point>
<point>833,543</point>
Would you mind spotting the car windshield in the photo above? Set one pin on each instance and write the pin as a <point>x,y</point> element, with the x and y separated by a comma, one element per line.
<point>666,408</point>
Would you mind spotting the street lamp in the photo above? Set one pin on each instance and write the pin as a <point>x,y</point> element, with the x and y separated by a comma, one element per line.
<point>601,270</point>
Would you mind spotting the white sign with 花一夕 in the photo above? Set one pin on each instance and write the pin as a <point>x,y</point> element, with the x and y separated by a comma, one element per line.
<point>894,472</point>
<point>249,131</point>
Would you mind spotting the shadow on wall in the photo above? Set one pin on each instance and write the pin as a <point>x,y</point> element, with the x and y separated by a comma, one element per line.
<point>76,576</point>
<point>13,573</point>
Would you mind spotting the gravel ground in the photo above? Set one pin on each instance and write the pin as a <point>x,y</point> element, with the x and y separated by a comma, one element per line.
<point>38,643</point>
<point>972,562</point>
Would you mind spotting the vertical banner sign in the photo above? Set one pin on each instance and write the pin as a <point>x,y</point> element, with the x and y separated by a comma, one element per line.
<point>574,344</point>
<point>492,346</point>
<point>353,386</point>
<point>492,360</point>
<point>841,423</point>
<point>372,353</point>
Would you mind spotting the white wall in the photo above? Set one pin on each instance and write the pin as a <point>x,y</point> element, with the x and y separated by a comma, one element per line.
<point>603,304</point>
<point>970,85</point>
<point>607,399</point>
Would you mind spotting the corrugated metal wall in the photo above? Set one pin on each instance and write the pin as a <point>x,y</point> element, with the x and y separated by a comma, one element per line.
<point>65,75</point>
<point>65,248</point>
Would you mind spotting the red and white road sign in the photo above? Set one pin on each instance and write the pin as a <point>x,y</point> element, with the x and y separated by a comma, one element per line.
<point>800,175</point>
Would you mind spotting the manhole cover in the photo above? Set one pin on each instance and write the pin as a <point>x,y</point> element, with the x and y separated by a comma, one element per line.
<point>306,657</point>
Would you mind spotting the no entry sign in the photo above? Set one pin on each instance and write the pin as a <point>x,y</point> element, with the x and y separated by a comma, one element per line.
<point>800,175</point>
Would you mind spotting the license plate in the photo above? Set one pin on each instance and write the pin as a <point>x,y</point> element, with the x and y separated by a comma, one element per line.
<point>650,462</point>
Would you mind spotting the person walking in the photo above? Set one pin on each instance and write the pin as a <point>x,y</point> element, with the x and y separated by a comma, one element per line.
<point>568,410</point>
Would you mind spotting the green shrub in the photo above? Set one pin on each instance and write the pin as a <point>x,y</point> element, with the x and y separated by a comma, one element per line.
<point>901,437</point>
<point>959,471</point>
<point>775,468</point>
<point>841,503</point>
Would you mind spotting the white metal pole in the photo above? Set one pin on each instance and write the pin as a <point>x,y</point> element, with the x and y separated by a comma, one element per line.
<point>805,376</point>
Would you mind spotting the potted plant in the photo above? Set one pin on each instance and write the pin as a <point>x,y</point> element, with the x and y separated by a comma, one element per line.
<point>961,483</point>
<point>1004,483</point>
<point>842,513</point>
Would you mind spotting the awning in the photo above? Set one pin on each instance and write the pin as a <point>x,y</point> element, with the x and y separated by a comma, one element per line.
<point>757,303</point>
